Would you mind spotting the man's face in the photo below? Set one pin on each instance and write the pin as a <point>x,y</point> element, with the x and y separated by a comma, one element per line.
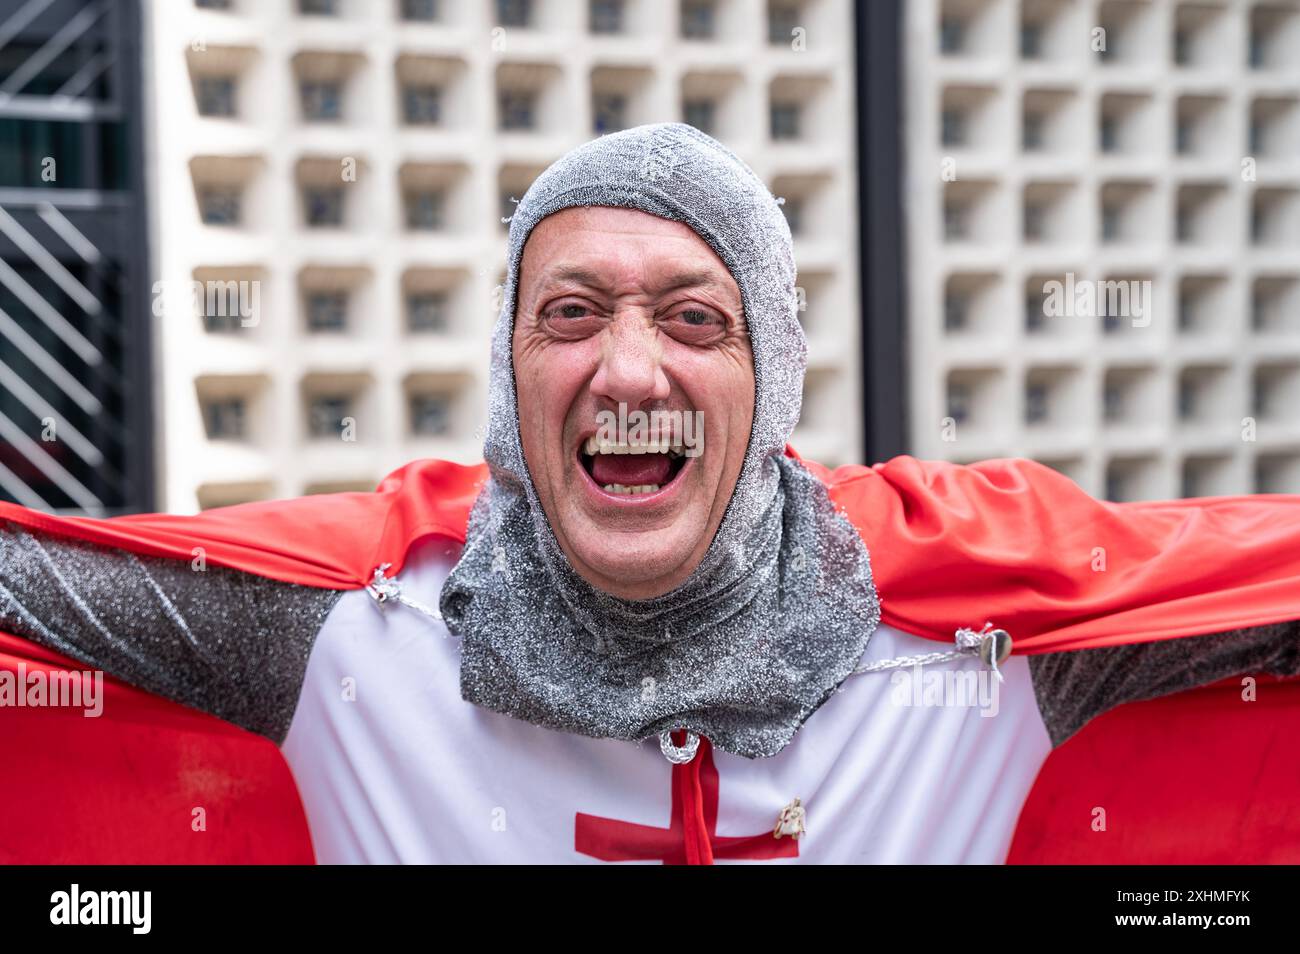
<point>619,306</point>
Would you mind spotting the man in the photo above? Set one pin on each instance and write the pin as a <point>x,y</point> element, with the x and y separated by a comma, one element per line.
<point>642,644</point>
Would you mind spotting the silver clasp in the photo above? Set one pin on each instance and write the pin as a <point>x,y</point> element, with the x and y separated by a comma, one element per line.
<point>993,646</point>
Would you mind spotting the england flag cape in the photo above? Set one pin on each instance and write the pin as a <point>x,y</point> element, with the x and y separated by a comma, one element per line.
<point>1197,776</point>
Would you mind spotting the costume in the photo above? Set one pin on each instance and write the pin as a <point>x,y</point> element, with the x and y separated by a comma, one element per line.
<point>427,776</point>
<point>442,686</point>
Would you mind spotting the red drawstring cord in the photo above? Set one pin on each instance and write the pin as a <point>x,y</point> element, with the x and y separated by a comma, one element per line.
<point>699,849</point>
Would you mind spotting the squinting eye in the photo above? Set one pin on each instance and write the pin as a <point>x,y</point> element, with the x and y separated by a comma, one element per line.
<point>564,310</point>
<point>696,326</point>
<point>572,320</point>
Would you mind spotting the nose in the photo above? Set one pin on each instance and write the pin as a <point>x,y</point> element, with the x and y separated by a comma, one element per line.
<point>631,370</point>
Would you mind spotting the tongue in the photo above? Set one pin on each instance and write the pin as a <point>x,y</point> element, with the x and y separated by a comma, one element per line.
<point>630,470</point>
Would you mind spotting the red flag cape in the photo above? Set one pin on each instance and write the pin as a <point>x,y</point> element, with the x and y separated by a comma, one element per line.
<point>1195,777</point>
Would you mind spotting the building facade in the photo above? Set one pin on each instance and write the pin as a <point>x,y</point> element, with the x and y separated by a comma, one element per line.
<point>76,431</point>
<point>1103,233</point>
<point>329,179</point>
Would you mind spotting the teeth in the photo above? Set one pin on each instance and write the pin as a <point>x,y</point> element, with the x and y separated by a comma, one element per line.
<point>630,491</point>
<point>594,446</point>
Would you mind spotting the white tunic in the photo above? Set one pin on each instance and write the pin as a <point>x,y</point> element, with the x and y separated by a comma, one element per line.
<point>393,766</point>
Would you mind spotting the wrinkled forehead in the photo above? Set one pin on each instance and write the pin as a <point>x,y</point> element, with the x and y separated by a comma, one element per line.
<point>608,249</point>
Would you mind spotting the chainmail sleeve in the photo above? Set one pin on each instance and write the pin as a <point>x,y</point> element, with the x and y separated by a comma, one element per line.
<point>1074,687</point>
<point>226,642</point>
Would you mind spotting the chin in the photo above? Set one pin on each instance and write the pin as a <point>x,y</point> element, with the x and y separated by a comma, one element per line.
<point>641,561</point>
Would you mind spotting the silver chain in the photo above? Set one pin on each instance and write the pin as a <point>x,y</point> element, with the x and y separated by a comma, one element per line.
<point>984,643</point>
<point>387,589</point>
<point>679,755</point>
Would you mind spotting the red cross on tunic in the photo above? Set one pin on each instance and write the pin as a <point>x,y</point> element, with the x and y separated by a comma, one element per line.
<point>691,837</point>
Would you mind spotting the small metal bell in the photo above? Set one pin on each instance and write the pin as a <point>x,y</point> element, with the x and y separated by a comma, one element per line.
<point>995,647</point>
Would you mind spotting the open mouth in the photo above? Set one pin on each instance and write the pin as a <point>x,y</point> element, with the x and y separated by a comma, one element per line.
<point>632,469</point>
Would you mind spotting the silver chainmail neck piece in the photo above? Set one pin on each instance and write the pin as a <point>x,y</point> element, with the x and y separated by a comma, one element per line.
<point>781,607</point>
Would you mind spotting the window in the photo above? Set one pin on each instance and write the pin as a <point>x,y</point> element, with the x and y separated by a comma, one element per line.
<point>420,10</point>
<point>322,101</point>
<point>221,324</point>
<point>422,105</point>
<point>1116,486</point>
<point>515,109</point>
<point>952,35</point>
<point>1035,403</point>
<point>220,206</point>
<point>609,112</point>
<point>325,415</point>
<point>1035,313</point>
<point>1109,134</point>
<point>323,206</point>
<point>1183,137</point>
<point>605,16</point>
<point>424,210</point>
<point>221,314</point>
<point>426,312</point>
<point>1112,321</point>
<point>793,209</point>
<point>782,20</point>
<point>955,221</point>
<point>318,8</point>
<point>1256,137</point>
<point>700,113</point>
<point>225,419</point>
<point>1110,222</point>
<point>1256,50</point>
<point>1182,48</point>
<point>212,4</point>
<point>1032,133</point>
<point>955,308</point>
<point>1186,399</point>
<point>1183,224</point>
<point>1113,403</point>
<point>958,402</point>
<point>1035,221</point>
<point>784,120</point>
<point>430,415</point>
<point>954,127</point>
<point>1260,397</point>
<point>697,19</point>
<point>1186,312</point>
<point>327,311</point>
<point>515,13</point>
<point>216,95</point>
<point>1031,41</point>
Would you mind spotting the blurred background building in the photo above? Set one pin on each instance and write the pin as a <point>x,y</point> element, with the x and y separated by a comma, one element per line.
<point>76,430</point>
<point>1117,141</point>
<point>356,158</point>
<point>272,255</point>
